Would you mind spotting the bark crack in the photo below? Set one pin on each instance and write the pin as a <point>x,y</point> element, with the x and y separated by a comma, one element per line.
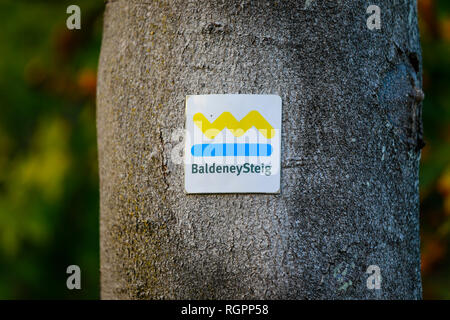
<point>164,169</point>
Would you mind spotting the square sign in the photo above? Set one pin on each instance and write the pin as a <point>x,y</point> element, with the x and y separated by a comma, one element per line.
<point>233,143</point>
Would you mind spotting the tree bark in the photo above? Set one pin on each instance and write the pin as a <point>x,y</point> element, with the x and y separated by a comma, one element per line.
<point>350,150</point>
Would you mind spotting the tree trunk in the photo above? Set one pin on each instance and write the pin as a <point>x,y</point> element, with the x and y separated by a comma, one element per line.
<point>350,150</point>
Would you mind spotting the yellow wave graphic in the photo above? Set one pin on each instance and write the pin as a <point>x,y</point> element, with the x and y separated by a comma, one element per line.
<point>237,128</point>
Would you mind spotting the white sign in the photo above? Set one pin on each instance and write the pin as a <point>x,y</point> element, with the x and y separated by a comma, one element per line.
<point>233,143</point>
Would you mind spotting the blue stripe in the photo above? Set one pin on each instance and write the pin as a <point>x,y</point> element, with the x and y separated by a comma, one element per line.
<point>232,150</point>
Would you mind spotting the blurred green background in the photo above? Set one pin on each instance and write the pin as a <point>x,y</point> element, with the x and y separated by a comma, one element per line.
<point>434,24</point>
<point>49,198</point>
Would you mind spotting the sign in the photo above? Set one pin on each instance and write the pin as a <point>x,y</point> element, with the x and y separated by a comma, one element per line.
<point>232,143</point>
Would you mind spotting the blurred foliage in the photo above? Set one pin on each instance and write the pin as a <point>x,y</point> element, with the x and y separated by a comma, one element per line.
<point>434,23</point>
<point>49,198</point>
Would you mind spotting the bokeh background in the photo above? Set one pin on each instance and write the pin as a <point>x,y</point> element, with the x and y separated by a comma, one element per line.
<point>49,198</point>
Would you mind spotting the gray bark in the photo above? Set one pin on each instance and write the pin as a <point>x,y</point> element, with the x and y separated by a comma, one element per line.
<point>351,147</point>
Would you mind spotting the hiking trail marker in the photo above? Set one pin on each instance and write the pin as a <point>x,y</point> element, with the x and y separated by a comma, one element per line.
<point>232,143</point>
